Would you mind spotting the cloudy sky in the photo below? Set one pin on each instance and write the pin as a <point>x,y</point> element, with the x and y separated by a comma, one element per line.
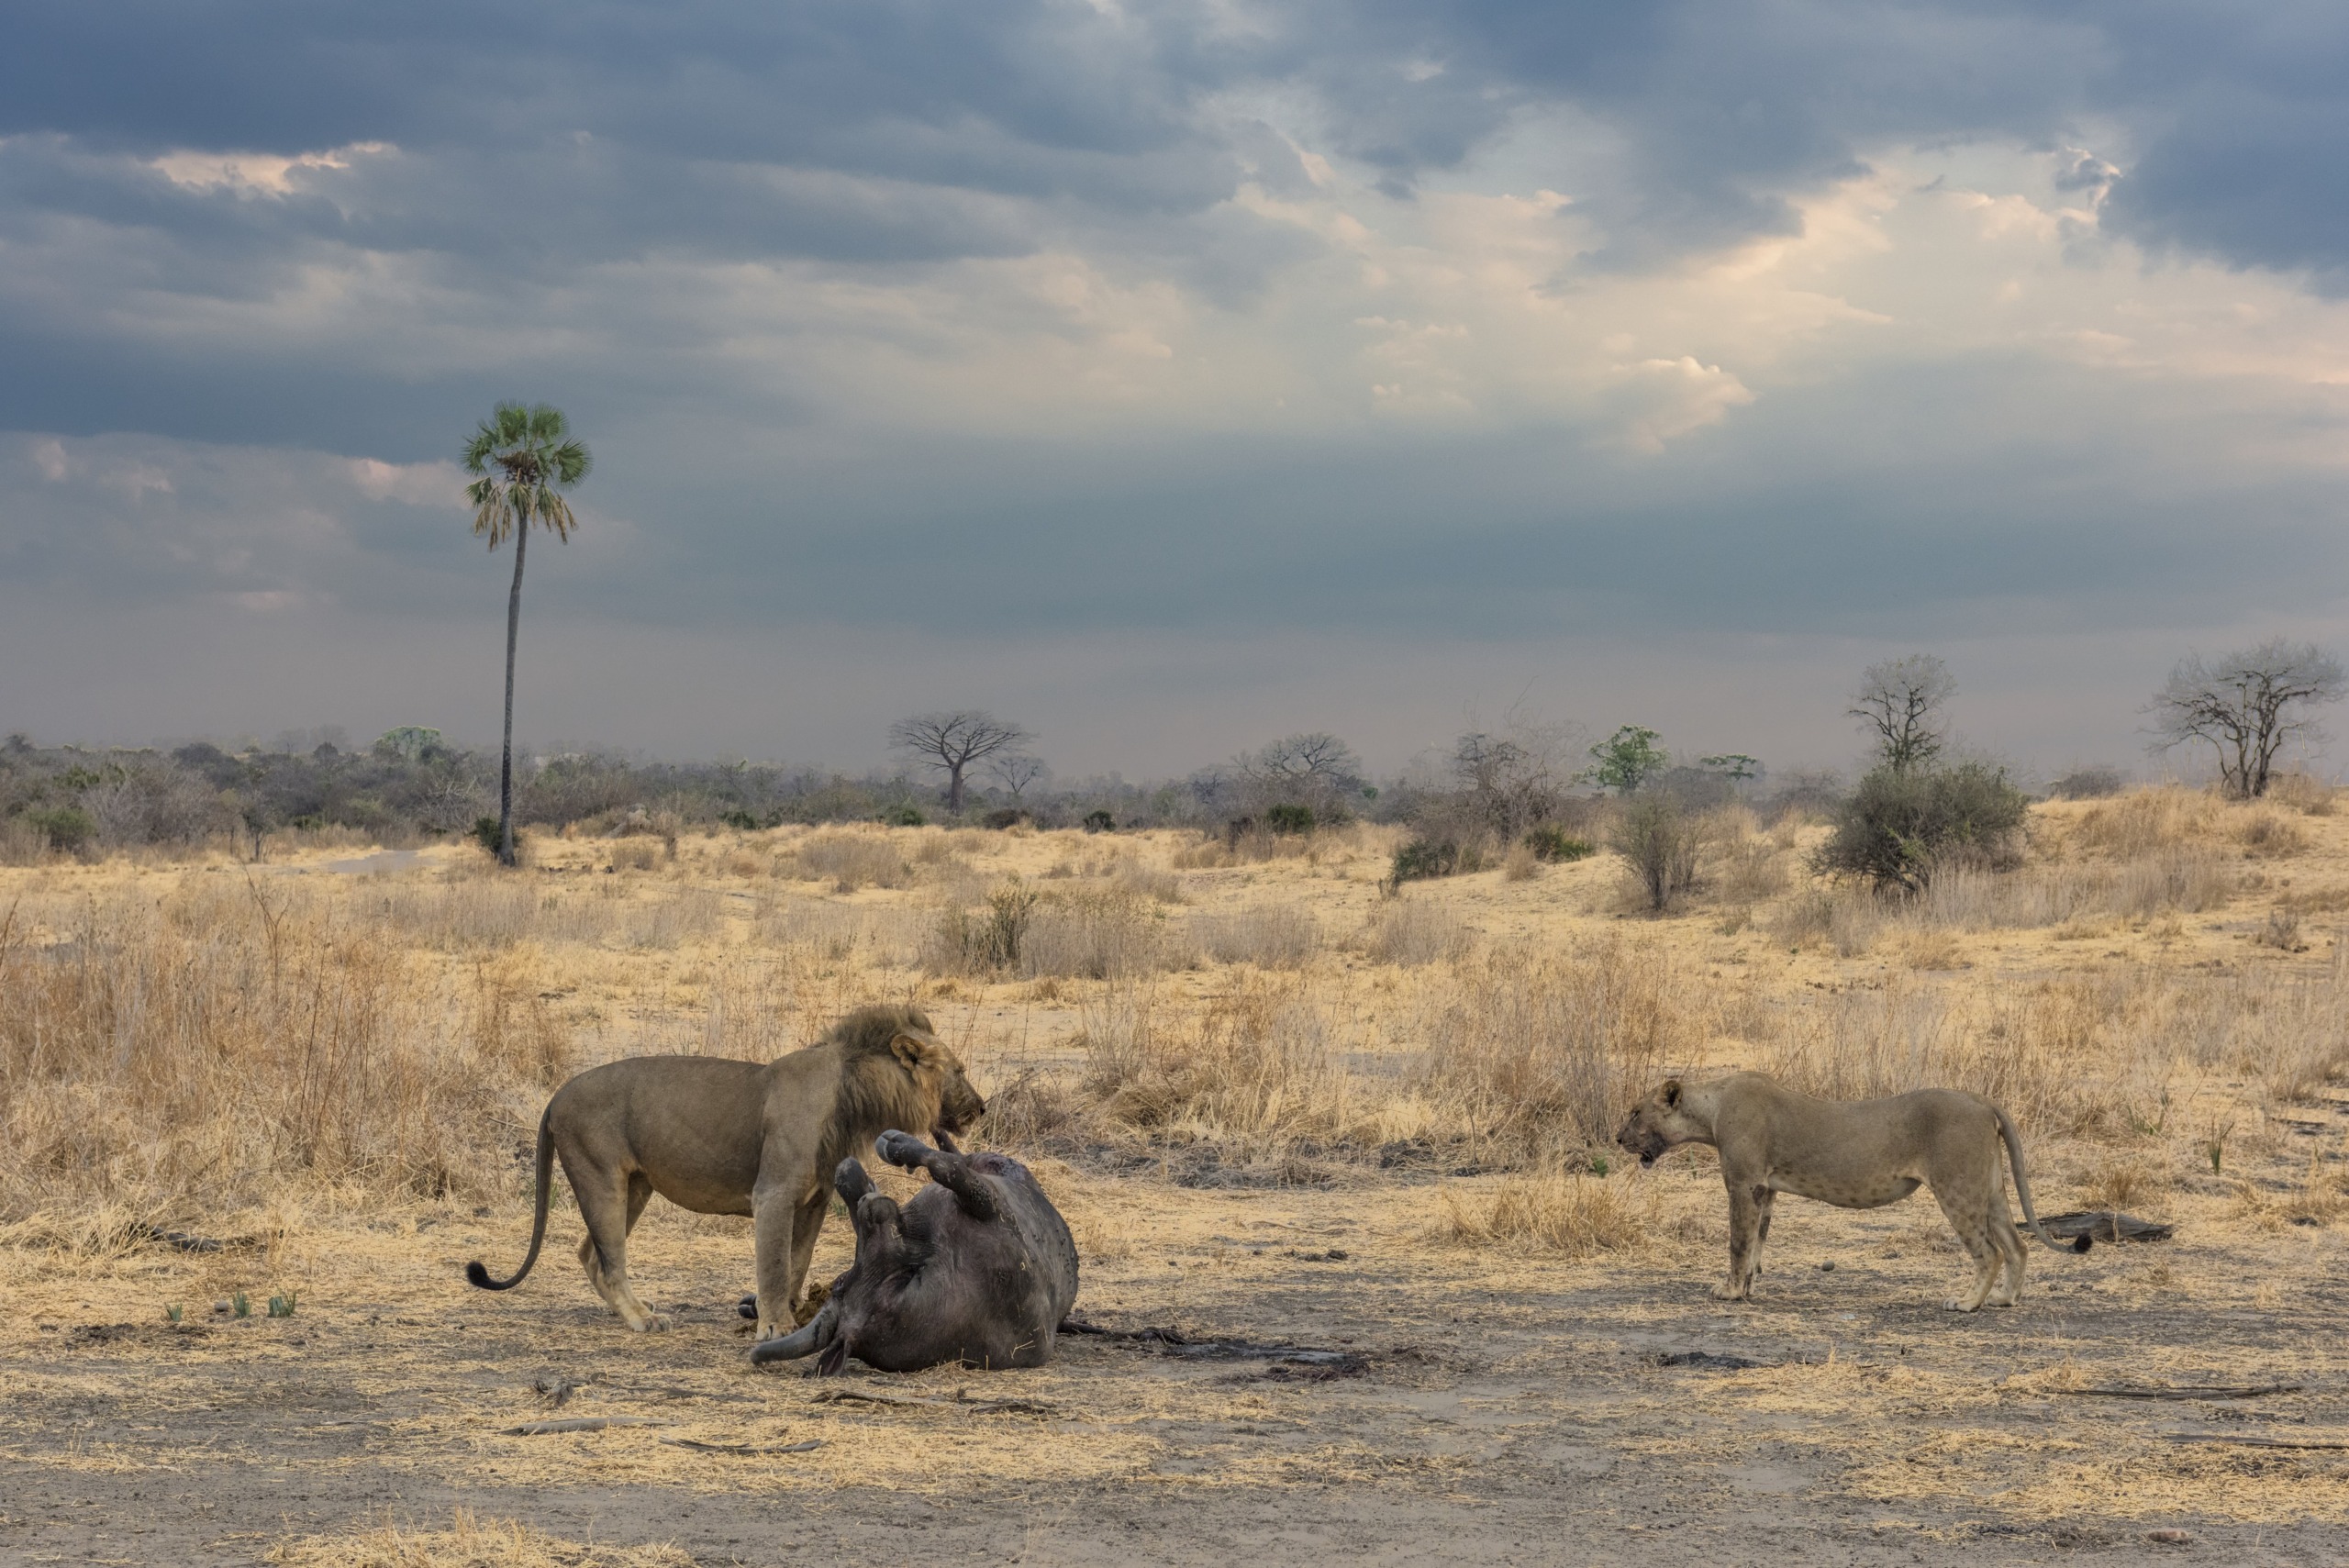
<point>1169,375</point>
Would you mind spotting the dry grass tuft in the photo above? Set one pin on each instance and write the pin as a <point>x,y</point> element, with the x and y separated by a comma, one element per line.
<point>850,859</point>
<point>1572,1213</point>
<point>468,1542</point>
<point>1530,1054</point>
<point>1411,932</point>
<point>1270,935</point>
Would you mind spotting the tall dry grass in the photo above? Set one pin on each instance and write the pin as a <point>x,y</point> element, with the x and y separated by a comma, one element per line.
<point>156,1057</point>
<point>1527,1054</point>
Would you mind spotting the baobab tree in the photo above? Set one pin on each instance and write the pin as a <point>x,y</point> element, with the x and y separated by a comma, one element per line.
<point>951,741</point>
<point>527,458</point>
<point>2246,706</point>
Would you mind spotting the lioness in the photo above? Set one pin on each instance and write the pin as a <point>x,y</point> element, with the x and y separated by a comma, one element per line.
<point>721,1137</point>
<point>1856,1155</point>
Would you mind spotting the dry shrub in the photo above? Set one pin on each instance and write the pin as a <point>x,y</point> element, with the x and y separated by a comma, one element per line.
<point>468,1542</point>
<point>1206,854</point>
<point>514,1031</point>
<point>1270,935</point>
<point>690,914</point>
<point>636,854</point>
<point>2282,930</point>
<point>1752,868</point>
<point>1093,935</point>
<point>458,915</point>
<point>21,844</point>
<point>2269,833</point>
<point>2124,1180</point>
<point>1572,1213</point>
<point>2141,821</point>
<point>234,1036</point>
<point>1414,931</point>
<point>2301,792</point>
<point>851,860</point>
<point>1521,863</point>
<point>1530,1054</point>
<point>1255,1066</point>
<point>1152,883</point>
<point>834,933</point>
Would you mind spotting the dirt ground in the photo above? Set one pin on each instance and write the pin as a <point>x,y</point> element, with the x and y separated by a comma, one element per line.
<point>1499,1410</point>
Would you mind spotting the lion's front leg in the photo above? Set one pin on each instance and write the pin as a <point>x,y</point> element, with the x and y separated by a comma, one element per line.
<point>1744,1238</point>
<point>773,1220</point>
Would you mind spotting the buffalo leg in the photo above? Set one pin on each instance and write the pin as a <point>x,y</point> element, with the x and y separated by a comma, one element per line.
<point>951,1172</point>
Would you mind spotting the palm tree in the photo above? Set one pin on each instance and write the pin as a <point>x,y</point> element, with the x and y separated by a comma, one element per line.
<point>534,463</point>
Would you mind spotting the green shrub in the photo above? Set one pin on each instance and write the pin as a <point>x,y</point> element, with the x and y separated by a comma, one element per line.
<point>69,828</point>
<point>1099,822</point>
<point>1290,819</point>
<point>741,820</point>
<point>1898,826</point>
<point>486,835</point>
<point>1012,817</point>
<point>1552,843</point>
<point>1424,858</point>
<point>904,817</point>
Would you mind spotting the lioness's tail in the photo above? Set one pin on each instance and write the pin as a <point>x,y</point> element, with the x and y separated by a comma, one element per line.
<point>2022,1188</point>
<point>480,1275</point>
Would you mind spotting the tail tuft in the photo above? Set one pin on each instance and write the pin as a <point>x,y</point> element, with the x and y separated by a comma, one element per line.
<point>478,1275</point>
<point>2081,1243</point>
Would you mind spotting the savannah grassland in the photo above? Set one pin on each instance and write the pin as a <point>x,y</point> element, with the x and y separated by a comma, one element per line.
<point>1275,1103</point>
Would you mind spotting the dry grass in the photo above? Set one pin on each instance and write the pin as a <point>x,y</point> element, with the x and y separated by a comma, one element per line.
<point>852,858</point>
<point>1271,936</point>
<point>470,1541</point>
<point>1531,1055</point>
<point>1410,932</point>
<point>188,1054</point>
<point>1575,1214</point>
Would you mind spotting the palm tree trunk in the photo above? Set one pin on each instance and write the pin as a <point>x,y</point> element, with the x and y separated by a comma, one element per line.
<point>505,759</point>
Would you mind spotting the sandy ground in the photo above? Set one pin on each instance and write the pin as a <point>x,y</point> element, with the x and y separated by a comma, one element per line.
<point>1502,1410</point>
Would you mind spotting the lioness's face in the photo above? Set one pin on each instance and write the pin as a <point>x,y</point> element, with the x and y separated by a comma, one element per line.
<point>1658,1125</point>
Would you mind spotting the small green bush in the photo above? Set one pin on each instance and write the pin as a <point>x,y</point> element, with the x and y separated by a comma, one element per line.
<point>70,829</point>
<point>1290,819</point>
<point>1012,817</point>
<point>486,835</point>
<point>1423,858</point>
<point>904,817</point>
<point>1099,822</point>
<point>1552,843</point>
<point>741,820</point>
<point>1899,825</point>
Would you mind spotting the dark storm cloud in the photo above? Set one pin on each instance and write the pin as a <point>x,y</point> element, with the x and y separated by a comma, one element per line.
<point>631,208</point>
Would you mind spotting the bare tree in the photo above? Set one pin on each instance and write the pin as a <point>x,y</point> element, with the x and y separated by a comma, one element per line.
<point>1315,769</point>
<point>2246,706</point>
<point>950,742</point>
<point>1016,769</point>
<point>1899,702</point>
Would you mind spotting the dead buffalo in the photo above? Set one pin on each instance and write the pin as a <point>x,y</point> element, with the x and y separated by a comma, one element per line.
<point>978,1268</point>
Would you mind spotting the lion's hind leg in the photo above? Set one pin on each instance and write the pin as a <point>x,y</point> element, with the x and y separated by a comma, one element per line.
<point>611,1207</point>
<point>2012,1254</point>
<point>1968,1215</point>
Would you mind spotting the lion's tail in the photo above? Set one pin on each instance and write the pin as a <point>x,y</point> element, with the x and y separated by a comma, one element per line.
<point>2022,1187</point>
<point>479,1275</point>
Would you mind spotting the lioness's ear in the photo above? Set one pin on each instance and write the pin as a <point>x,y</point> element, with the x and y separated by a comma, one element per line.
<point>1670,1093</point>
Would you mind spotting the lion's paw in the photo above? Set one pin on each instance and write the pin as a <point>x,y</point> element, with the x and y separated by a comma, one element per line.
<point>1732,1293</point>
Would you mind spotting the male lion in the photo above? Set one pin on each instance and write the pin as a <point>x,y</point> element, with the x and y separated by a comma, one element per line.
<point>721,1137</point>
<point>1854,1155</point>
